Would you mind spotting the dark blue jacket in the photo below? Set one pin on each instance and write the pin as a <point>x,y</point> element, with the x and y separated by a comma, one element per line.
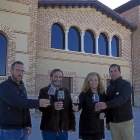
<point>14,105</point>
<point>119,108</point>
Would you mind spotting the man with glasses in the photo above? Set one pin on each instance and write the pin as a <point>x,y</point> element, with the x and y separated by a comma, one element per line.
<point>15,122</point>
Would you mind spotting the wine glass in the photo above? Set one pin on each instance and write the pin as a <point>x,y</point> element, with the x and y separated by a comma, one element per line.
<point>75,99</point>
<point>60,96</point>
<point>95,99</point>
<point>51,92</point>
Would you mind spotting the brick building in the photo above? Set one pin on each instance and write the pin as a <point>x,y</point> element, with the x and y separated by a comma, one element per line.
<point>28,26</point>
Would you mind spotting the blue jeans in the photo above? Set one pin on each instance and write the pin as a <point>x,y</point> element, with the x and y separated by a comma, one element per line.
<point>10,134</point>
<point>48,135</point>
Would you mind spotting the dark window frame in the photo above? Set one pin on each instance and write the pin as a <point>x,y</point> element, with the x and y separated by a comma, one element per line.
<point>93,39</point>
<point>63,36</point>
<point>5,54</point>
<point>117,44</point>
<point>79,38</point>
<point>106,43</point>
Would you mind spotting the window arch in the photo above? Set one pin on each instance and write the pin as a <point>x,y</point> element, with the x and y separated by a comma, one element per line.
<point>89,42</point>
<point>115,46</point>
<point>103,44</point>
<point>3,53</point>
<point>74,40</point>
<point>57,37</point>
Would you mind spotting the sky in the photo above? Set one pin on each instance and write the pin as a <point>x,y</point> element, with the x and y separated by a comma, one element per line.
<point>113,3</point>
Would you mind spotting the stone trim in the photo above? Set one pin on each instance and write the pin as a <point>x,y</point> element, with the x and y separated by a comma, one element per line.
<point>78,61</point>
<point>20,32</point>
<point>22,52</point>
<point>26,2</point>
<point>15,12</point>
<point>82,54</point>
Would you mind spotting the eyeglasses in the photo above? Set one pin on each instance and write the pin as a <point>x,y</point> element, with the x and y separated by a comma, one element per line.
<point>18,70</point>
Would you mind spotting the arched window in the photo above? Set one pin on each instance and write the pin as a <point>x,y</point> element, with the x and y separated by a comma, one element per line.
<point>115,46</point>
<point>58,37</point>
<point>3,50</point>
<point>89,42</point>
<point>74,40</point>
<point>103,44</point>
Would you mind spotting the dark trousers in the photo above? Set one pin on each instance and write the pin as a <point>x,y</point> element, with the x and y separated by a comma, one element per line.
<point>48,135</point>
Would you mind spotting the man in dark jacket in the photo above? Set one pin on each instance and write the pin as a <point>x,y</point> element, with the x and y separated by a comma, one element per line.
<point>119,118</point>
<point>56,122</point>
<point>15,122</point>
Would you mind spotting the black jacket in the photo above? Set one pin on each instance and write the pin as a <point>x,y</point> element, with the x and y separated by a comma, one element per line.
<point>53,120</point>
<point>90,126</point>
<point>14,105</point>
<point>119,101</point>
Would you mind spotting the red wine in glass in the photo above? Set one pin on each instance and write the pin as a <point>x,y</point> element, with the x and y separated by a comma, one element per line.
<point>60,99</point>
<point>75,99</point>
<point>60,96</point>
<point>95,99</point>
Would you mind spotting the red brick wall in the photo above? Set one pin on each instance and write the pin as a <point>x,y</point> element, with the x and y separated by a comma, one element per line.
<point>40,37</point>
<point>82,19</point>
<point>133,15</point>
<point>32,47</point>
<point>11,47</point>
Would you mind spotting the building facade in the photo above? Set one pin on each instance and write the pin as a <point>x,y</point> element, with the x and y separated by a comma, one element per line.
<point>77,37</point>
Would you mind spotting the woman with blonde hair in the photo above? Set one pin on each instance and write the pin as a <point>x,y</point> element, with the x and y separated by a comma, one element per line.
<point>91,123</point>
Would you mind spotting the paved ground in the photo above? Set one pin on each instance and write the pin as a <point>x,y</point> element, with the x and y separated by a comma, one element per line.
<point>36,134</point>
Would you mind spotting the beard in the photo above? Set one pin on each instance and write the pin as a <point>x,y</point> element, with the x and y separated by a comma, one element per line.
<point>57,83</point>
<point>17,78</point>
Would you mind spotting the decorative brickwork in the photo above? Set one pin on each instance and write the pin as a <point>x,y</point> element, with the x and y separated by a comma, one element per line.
<point>21,1</point>
<point>136,65</point>
<point>82,19</point>
<point>133,15</point>
<point>22,52</point>
<point>31,83</point>
<point>11,48</point>
<point>20,32</point>
<point>39,39</point>
<point>13,0</point>
<point>15,12</point>
<point>79,61</point>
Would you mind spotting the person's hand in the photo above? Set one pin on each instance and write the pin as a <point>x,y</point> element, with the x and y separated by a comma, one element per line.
<point>100,105</point>
<point>107,126</point>
<point>75,108</point>
<point>44,102</point>
<point>102,115</point>
<point>70,131</point>
<point>58,105</point>
<point>29,131</point>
